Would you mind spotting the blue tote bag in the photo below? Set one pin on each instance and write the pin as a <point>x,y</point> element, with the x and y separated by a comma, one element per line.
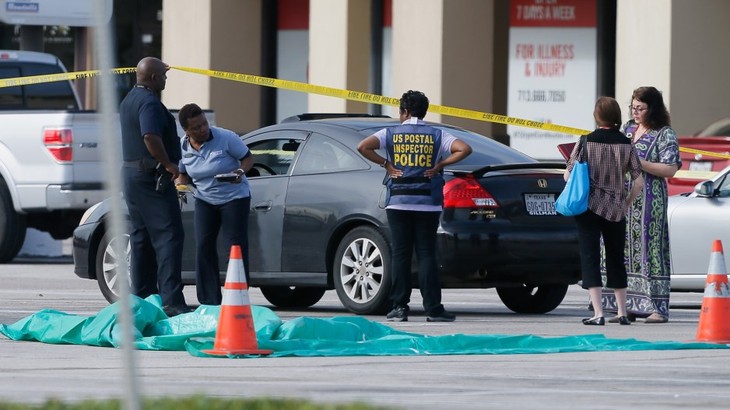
<point>574,198</point>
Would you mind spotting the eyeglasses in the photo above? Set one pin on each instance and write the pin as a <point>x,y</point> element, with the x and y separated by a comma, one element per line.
<point>637,109</point>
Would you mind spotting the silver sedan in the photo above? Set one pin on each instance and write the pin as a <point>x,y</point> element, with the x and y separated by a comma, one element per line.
<point>696,220</point>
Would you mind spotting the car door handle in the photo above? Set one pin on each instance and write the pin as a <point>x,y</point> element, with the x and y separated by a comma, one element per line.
<point>262,206</point>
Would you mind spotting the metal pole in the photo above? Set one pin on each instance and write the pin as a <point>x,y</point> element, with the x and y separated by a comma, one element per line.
<point>110,144</point>
<point>376,53</point>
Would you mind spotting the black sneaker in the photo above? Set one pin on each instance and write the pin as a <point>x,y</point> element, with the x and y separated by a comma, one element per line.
<point>444,316</point>
<point>398,314</point>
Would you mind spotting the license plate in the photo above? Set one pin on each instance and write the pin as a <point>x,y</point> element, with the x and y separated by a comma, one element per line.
<point>540,204</point>
<point>700,166</point>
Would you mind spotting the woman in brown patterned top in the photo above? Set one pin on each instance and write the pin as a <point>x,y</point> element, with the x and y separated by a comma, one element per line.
<point>610,157</point>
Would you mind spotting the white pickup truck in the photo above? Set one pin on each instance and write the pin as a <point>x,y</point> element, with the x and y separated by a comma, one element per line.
<point>50,170</point>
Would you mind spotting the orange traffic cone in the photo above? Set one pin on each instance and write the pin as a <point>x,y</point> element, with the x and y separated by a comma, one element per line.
<point>715,314</point>
<point>236,333</point>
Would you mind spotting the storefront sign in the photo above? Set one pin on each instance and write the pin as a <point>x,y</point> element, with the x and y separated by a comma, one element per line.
<point>74,13</point>
<point>552,71</point>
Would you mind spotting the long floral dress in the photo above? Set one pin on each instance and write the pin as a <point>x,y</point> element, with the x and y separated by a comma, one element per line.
<point>647,234</point>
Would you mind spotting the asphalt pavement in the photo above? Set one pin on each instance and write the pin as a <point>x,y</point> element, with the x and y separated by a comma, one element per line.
<point>34,372</point>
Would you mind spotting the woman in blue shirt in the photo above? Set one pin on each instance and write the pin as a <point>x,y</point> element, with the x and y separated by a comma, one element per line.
<point>219,205</point>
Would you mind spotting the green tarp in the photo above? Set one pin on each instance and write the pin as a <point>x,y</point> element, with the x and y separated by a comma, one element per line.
<point>304,336</point>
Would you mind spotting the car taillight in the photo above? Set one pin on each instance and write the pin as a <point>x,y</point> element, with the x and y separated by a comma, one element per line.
<point>59,142</point>
<point>465,192</point>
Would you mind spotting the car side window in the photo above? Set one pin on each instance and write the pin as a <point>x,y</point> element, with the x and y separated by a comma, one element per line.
<point>10,97</point>
<point>273,156</point>
<point>322,155</point>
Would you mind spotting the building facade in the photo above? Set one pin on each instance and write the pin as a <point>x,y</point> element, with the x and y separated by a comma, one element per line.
<point>371,45</point>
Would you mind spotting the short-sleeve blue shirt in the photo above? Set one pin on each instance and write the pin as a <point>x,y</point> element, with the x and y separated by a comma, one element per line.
<point>222,153</point>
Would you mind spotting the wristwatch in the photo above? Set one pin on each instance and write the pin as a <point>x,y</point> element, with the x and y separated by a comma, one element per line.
<point>384,163</point>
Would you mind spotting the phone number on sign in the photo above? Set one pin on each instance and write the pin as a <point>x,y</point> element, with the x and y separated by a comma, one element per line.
<point>541,95</point>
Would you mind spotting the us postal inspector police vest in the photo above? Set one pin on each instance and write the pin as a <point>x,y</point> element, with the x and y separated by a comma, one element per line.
<point>413,148</point>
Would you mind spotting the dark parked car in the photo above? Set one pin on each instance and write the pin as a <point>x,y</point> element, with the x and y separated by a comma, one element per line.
<point>318,222</point>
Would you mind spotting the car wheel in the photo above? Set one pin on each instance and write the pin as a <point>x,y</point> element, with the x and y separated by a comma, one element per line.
<point>361,271</point>
<point>108,263</point>
<point>533,299</point>
<point>292,297</point>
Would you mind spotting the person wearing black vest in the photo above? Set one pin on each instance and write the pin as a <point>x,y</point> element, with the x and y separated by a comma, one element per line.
<point>416,154</point>
<point>151,152</point>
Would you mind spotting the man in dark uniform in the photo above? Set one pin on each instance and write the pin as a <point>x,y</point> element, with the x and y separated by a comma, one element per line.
<point>151,152</point>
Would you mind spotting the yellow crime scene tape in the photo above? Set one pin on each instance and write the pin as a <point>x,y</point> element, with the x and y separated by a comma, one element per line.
<point>350,95</point>
<point>49,78</point>
<point>378,99</point>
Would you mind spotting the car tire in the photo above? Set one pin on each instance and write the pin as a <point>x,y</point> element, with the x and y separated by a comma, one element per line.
<point>12,226</point>
<point>533,299</point>
<point>107,265</point>
<point>361,271</point>
<point>293,297</point>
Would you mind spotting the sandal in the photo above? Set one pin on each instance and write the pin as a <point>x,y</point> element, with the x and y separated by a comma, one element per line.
<point>656,318</point>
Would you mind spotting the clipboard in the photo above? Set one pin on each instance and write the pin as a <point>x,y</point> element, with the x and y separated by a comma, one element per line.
<point>566,149</point>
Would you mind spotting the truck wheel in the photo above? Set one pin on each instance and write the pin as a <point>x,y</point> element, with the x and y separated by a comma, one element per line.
<point>108,263</point>
<point>12,226</point>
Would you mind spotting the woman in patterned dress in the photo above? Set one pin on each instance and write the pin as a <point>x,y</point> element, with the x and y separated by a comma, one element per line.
<point>647,234</point>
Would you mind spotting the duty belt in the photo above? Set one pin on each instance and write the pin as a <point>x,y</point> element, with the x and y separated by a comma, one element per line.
<point>399,190</point>
<point>144,164</point>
